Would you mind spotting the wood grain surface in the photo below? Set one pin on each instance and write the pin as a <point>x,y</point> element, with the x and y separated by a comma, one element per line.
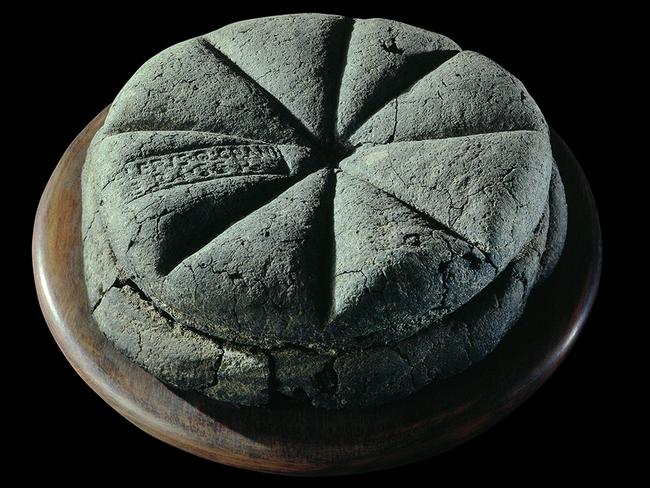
<point>303,440</point>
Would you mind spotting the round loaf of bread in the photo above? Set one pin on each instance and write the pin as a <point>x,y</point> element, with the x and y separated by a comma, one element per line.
<point>316,208</point>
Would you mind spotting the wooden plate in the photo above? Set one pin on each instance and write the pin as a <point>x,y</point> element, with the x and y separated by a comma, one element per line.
<point>303,440</point>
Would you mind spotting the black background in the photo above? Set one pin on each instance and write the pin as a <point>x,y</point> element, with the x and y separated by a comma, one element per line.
<point>76,65</point>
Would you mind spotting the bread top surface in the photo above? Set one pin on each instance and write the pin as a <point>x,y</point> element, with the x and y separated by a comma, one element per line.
<point>317,180</point>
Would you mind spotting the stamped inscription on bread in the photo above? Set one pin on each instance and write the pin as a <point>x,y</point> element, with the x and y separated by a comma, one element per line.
<point>154,173</point>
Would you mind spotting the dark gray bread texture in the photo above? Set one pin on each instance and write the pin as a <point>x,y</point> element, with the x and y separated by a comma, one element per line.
<point>320,209</point>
